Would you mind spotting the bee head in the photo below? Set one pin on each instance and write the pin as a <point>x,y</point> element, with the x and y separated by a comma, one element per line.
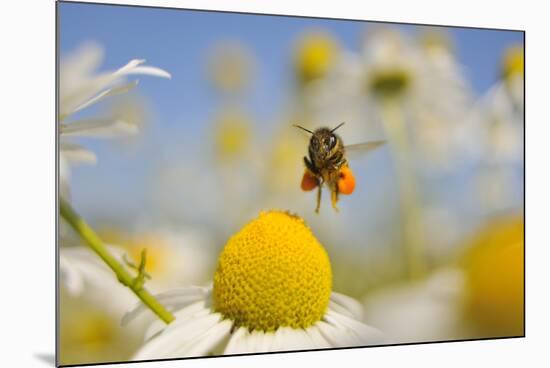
<point>323,141</point>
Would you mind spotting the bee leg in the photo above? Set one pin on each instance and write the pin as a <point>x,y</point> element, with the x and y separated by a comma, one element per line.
<point>334,200</point>
<point>309,165</point>
<point>319,189</point>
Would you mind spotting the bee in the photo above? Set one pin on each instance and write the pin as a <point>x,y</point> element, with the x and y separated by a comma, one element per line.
<point>326,163</point>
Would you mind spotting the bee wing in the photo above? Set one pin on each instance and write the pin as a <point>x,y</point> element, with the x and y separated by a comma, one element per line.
<point>362,148</point>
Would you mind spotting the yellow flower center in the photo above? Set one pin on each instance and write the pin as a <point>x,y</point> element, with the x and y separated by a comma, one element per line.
<point>434,40</point>
<point>389,82</point>
<point>314,57</point>
<point>273,273</point>
<point>513,63</point>
<point>232,135</point>
<point>157,253</point>
<point>94,329</point>
<point>494,270</point>
<point>157,248</point>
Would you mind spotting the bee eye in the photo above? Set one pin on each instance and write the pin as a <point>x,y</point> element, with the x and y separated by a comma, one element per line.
<point>332,141</point>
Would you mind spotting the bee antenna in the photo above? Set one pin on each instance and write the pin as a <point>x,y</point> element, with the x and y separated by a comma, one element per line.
<point>339,125</point>
<point>307,130</point>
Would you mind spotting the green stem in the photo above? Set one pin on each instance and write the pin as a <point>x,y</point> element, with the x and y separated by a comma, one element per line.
<point>94,242</point>
<point>414,241</point>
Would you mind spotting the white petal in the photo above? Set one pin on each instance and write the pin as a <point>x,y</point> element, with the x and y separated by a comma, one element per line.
<point>236,341</point>
<point>183,295</point>
<point>299,340</point>
<point>98,128</point>
<point>125,88</point>
<point>74,153</point>
<point>279,338</point>
<point>182,316</point>
<point>173,300</point>
<point>317,338</point>
<point>64,170</point>
<point>85,89</point>
<point>83,60</point>
<point>175,336</point>
<point>365,333</point>
<point>70,277</point>
<point>79,266</point>
<point>208,342</point>
<point>338,308</point>
<point>133,68</point>
<point>155,328</point>
<point>129,66</point>
<point>265,342</point>
<point>287,338</point>
<point>351,305</point>
<point>255,340</point>
<point>189,313</point>
<point>151,70</point>
<point>336,336</point>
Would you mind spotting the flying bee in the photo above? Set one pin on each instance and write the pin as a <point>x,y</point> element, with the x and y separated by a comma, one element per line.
<point>326,163</point>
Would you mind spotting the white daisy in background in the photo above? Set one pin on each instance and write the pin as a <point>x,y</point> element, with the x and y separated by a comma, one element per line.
<point>425,310</point>
<point>498,125</point>
<point>501,112</point>
<point>92,303</point>
<point>426,88</point>
<point>439,119</point>
<point>327,77</point>
<point>90,331</point>
<point>271,292</point>
<point>83,272</point>
<point>231,67</point>
<point>173,258</point>
<point>481,295</point>
<point>81,86</point>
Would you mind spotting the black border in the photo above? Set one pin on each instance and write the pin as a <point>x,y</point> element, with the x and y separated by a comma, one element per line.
<point>57,242</point>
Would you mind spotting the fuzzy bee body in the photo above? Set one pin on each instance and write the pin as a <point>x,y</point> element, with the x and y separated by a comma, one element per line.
<point>326,163</point>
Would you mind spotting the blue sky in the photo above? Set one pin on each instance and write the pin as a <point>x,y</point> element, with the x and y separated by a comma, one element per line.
<point>179,41</point>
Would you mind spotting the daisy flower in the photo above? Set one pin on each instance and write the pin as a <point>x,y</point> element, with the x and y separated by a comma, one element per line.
<point>90,331</point>
<point>92,302</point>
<point>172,257</point>
<point>271,292</point>
<point>498,125</point>
<point>481,296</point>
<point>231,67</point>
<point>80,87</point>
<point>494,278</point>
<point>423,310</point>
<point>314,56</point>
<point>404,74</point>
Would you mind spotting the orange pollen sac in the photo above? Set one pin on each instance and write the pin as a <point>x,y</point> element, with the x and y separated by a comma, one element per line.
<point>309,181</point>
<point>346,183</point>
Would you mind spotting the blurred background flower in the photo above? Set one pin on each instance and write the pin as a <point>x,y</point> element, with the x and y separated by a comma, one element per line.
<point>494,269</point>
<point>92,303</point>
<point>174,256</point>
<point>480,294</point>
<point>436,215</point>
